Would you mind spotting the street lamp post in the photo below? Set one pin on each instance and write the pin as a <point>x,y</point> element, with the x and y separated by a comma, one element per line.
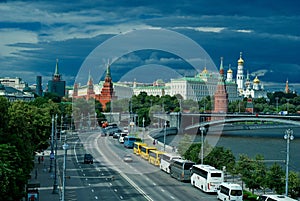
<point>143,128</point>
<point>55,189</point>
<point>277,98</point>
<point>288,136</point>
<point>52,136</point>
<point>71,126</point>
<point>202,143</point>
<point>165,133</point>
<point>61,126</point>
<point>65,147</point>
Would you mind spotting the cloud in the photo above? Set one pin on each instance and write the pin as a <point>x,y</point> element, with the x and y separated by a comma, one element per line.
<point>35,33</point>
<point>11,37</point>
<point>259,73</point>
<point>244,31</point>
<point>203,29</point>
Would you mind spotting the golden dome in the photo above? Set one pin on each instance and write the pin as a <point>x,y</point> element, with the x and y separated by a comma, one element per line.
<point>256,80</point>
<point>240,61</point>
<point>205,71</point>
<point>229,71</point>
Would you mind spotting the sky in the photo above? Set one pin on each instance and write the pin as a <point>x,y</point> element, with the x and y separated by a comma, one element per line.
<point>33,34</point>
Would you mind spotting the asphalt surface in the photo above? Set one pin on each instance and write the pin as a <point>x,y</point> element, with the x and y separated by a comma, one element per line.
<point>109,177</point>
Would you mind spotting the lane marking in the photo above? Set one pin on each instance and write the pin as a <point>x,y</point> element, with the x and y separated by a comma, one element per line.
<point>123,175</point>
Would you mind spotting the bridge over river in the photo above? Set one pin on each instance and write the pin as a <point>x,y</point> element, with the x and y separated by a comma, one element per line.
<point>214,122</point>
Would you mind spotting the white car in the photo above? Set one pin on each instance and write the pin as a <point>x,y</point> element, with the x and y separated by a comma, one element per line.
<point>125,130</point>
<point>127,158</point>
<point>121,137</point>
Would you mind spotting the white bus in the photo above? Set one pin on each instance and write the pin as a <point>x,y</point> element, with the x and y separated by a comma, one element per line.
<point>165,161</point>
<point>206,177</point>
<point>230,191</point>
<point>274,197</point>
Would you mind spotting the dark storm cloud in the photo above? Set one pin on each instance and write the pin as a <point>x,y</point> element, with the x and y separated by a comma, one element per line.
<point>35,33</point>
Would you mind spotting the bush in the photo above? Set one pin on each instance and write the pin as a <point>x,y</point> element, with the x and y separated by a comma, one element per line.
<point>248,196</point>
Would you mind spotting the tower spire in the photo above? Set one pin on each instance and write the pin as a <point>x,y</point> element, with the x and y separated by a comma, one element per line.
<point>221,66</point>
<point>56,68</point>
<point>56,76</point>
<point>108,70</point>
<point>240,75</point>
<point>287,90</point>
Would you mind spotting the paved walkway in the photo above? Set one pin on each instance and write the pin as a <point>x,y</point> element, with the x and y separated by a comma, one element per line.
<point>160,145</point>
<point>43,180</point>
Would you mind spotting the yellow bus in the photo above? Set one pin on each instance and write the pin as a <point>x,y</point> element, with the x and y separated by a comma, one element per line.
<point>154,157</point>
<point>137,147</point>
<point>145,151</point>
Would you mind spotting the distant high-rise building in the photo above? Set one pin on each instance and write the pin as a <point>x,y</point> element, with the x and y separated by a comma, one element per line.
<point>38,89</point>
<point>56,85</point>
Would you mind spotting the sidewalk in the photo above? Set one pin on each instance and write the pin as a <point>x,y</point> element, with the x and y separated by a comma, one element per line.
<point>43,180</point>
<point>160,145</point>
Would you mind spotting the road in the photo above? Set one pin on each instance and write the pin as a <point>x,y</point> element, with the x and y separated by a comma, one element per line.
<point>109,178</point>
<point>95,181</point>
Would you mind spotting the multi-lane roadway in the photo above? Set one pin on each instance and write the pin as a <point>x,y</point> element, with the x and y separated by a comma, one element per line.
<point>110,178</point>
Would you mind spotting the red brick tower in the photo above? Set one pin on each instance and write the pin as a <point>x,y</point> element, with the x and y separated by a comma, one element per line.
<point>90,90</point>
<point>75,91</point>
<point>221,96</point>
<point>107,92</point>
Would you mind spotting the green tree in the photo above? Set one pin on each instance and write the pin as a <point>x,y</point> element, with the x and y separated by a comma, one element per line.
<point>260,171</point>
<point>294,184</point>
<point>13,175</point>
<point>184,144</point>
<point>248,169</point>
<point>275,178</point>
<point>4,118</point>
<point>193,152</point>
<point>220,157</point>
<point>186,105</point>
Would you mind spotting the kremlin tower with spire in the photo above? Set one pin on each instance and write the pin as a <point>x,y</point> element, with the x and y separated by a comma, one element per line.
<point>107,92</point>
<point>221,96</point>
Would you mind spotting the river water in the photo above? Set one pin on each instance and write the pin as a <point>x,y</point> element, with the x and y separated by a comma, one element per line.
<point>272,146</point>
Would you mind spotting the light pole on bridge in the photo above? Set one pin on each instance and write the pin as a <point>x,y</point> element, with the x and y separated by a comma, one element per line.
<point>165,133</point>
<point>288,136</point>
<point>202,143</point>
<point>277,98</point>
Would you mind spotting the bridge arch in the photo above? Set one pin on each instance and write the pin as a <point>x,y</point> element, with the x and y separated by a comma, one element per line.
<point>241,119</point>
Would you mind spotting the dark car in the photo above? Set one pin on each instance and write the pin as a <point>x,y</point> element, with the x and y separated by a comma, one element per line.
<point>88,159</point>
<point>116,135</point>
<point>113,130</point>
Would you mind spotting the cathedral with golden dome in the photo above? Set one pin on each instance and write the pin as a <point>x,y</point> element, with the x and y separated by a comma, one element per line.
<point>247,88</point>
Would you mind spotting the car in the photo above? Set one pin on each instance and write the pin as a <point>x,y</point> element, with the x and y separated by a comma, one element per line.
<point>102,134</point>
<point>125,130</point>
<point>121,137</point>
<point>127,158</point>
<point>88,159</point>
<point>116,135</point>
<point>113,130</point>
